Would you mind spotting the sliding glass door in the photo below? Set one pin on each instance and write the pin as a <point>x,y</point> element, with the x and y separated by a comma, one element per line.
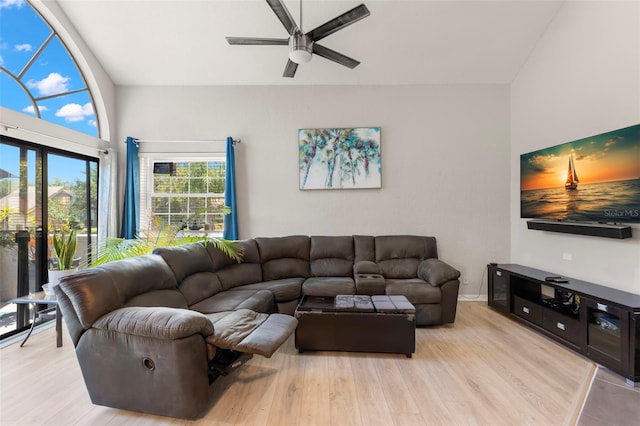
<point>72,201</point>
<point>41,190</point>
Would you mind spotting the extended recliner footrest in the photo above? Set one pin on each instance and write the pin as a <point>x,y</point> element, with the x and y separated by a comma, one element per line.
<point>252,332</point>
<point>225,362</point>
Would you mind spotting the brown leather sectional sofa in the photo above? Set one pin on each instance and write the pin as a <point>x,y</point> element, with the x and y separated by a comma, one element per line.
<point>152,332</point>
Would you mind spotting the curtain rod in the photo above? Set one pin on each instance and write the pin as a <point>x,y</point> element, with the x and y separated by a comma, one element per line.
<point>235,141</point>
<point>8,127</point>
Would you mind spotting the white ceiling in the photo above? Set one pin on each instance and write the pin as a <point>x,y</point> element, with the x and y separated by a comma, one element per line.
<point>182,42</point>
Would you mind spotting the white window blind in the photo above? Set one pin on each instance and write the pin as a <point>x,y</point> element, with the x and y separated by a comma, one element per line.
<point>183,193</point>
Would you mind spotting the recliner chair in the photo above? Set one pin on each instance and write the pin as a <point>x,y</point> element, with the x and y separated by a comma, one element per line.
<point>141,348</point>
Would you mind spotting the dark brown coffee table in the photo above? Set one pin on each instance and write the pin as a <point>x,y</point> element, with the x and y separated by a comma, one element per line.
<point>386,324</point>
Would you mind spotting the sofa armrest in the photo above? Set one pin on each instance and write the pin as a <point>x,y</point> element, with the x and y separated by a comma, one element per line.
<point>366,267</point>
<point>156,322</point>
<point>436,272</point>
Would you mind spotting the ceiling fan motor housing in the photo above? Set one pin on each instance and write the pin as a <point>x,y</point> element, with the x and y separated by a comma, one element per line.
<point>300,48</point>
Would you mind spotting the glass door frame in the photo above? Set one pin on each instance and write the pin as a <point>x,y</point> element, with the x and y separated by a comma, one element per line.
<point>41,234</point>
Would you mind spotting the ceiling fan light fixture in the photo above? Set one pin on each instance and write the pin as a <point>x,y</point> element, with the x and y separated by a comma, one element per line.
<point>300,48</point>
<point>300,56</point>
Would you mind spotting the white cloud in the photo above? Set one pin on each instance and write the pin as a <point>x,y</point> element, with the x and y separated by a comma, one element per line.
<point>92,123</point>
<point>31,110</point>
<point>25,47</point>
<point>51,85</point>
<point>75,112</point>
<point>5,4</point>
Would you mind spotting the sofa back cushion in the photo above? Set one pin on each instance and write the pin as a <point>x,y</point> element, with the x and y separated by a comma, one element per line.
<point>139,275</point>
<point>232,273</point>
<point>186,259</point>
<point>194,270</point>
<point>331,256</point>
<point>97,291</point>
<point>364,248</point>
<point>199,286</point>
<point>164,298</point>
<point>284,257</point>
<point>220,260</point>
<point>399,255</point>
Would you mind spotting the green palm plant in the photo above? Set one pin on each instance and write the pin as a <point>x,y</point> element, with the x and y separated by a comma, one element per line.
<point>162,236</point>
<point>65,245</point>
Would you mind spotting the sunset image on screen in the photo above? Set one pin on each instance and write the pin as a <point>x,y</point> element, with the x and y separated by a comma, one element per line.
<point>594,179</point>
<point>604,158</point>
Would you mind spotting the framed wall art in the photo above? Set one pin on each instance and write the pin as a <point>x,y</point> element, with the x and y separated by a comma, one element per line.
<point>339,158</point>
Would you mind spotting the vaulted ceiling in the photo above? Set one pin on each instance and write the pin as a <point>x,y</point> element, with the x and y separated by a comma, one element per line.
<point>162,42</point>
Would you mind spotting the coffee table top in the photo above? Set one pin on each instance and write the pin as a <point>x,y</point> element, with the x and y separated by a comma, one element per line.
<point>317,303</point>
<point>356,303</point>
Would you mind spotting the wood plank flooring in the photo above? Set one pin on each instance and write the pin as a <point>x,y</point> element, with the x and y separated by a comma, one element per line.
<point>484,370</point>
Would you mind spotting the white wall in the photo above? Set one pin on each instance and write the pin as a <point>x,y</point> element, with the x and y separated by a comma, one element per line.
<point>582,79</point>
<point>445,154</point>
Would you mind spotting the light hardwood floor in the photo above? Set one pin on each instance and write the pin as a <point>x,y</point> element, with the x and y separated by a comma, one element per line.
<point>486,369</point>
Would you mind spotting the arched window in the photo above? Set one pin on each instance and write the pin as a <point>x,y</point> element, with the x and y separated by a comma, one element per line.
<point>38,75</point>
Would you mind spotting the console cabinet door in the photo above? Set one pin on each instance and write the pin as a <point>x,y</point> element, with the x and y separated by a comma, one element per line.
<point>634,350</point>
<point>498,294</point>
<point>607,335</point>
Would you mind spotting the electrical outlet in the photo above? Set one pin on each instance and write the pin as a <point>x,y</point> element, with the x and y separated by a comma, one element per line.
<point>465,281</point>
<point>567,256</point>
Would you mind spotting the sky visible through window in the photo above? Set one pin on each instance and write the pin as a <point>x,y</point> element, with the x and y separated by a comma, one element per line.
<point>36,68</point>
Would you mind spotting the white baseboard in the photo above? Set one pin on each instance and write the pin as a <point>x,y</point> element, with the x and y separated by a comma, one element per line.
<point>472,298</point>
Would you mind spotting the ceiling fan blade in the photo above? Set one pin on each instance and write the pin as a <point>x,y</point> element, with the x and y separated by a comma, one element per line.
<point>290,69</point>
<point>334,56</point>
<point>257,41</point>
<point>347,18</point>
<point>283,15</point>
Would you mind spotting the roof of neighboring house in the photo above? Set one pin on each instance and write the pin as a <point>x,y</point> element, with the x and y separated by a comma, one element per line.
<point>12,200</point>
<point>5,174</point>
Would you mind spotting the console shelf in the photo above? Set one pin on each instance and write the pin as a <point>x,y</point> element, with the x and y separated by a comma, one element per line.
<point>599,322</point>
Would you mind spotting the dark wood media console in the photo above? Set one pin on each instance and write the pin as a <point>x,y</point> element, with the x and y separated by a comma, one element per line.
<point>599,322</point>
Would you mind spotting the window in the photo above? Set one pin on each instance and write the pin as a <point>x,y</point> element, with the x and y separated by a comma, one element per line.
<point>187,194</point>
<point>38,75</point>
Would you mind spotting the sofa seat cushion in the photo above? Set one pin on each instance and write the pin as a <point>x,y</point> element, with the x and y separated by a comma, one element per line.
<point>256,300</point>
<point>283,290</point>
<point>415,290</point>
<point>328,286</point>
<point>247,331</point>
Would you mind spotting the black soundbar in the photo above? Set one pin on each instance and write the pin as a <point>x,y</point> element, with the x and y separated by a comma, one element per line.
<point>581,228</point>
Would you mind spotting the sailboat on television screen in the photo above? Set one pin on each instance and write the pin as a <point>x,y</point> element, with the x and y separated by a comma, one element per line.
<point>572,177</point>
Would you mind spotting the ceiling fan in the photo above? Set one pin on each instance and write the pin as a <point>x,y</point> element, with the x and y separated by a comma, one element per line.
<point>302,45</point>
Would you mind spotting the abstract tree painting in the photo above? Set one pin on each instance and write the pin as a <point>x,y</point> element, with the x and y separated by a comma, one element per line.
<point>339,158</point>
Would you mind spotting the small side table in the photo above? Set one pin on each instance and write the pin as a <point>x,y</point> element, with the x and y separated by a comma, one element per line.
<point>41,298</point>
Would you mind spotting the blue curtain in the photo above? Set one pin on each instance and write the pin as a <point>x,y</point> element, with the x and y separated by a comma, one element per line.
<point>231,219</point>
<point>131,211</point>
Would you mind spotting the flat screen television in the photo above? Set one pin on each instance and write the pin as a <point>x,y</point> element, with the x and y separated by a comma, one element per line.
<point>595,179</point>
